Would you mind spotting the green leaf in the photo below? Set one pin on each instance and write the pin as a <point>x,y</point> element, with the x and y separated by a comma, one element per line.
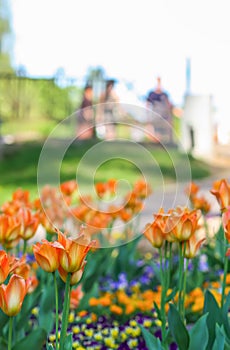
<point>3,344</point>
<point>4,319</point>
<point>220,243</point>
<point>35,340</point>
<point>47,306</point>
<point>199,334</point>
<point>220,339</point>
<point>158,311</point>
<point>225,309</point>
<point>214,316</point>
<point>49,346</point>
<point>177,328</point>
<point>68,342</point>
<point>171,295</point>
<point>151,341</point>
<point>96,266</point>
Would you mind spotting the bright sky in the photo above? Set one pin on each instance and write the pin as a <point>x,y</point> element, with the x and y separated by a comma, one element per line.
<point>133,40</point>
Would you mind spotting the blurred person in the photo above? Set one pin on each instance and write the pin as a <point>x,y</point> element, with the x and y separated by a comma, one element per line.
<point>85,115</point>
<point>158,102</point>
<point>108,109</point>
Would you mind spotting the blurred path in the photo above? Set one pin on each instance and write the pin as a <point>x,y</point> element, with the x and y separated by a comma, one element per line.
<point>173,195</point>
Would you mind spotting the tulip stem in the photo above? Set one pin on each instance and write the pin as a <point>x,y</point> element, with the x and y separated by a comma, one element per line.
<point>225,276</point>
<point>162,307</point>
<point>10,333</point>
<point>24,246</point>
<point>65,315</point>
<point>56,307</point>
<point>184,287</point>
<point>181,272</point>
<point>169,265</point>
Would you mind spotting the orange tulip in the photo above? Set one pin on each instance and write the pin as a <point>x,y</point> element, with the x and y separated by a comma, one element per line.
<point>75,297</point>
<point>125,214</point>
<point>155,233</point>
<point>12,295</point>
<point>9,230</point>
<point>22,196</point>
<point>192,246</point>
<point>68,187</point>
<point>101,189</point>
<point>75,276</point>
<point>53,209</point>
<point>182,223</point>
<point>112,184</point>
<point>47,255</point>
<point>7,265</point>
<point>29,223</point>
<point>142,188</point>
<point>32,283</point>
<point>192,190</point>
<point>226,224</point>
<point>221,190</point>
<point>22,269</point>
<point>72,257</point>
<point>4,266</point>
<point>201,203</point>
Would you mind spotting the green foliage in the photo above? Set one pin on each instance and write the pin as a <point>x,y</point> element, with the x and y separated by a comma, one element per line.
<point>151,341</point>
<point>97,265</point>
<point>5,38</point>
<point>219,339</point>
<point>198,335</point>
<point>49,346</point>
<point>3,321</point>
<point>25,156</point>
<point>216,316</point>
<point>196,338</point>
<point>68,342</point>
<point>25,98</point>
<point>177,328</point>
<point>47,307</point>
<point>34,340</point>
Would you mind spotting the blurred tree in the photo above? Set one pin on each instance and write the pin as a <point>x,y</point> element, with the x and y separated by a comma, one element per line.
<point>96,77</point>
<point>5,38</point>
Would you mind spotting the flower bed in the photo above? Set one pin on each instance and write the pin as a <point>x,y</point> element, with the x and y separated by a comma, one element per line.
<point>73,275</point>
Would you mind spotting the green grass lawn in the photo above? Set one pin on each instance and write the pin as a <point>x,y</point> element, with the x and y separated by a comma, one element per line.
<point>18,166</point>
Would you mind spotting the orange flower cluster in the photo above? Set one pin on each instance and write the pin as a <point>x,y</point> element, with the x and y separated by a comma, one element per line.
<point>20,283</point>
<point>17,220</point>
<point>53,205</point>
<point>195,299</point>
<point>178,225</point>
<point>197,201</point>
<point>20,217</point>
<point>67,255</point>
<point>20,199</point>
<point>106,188</point>
<point>121,303</point>
<point>96,219</point>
